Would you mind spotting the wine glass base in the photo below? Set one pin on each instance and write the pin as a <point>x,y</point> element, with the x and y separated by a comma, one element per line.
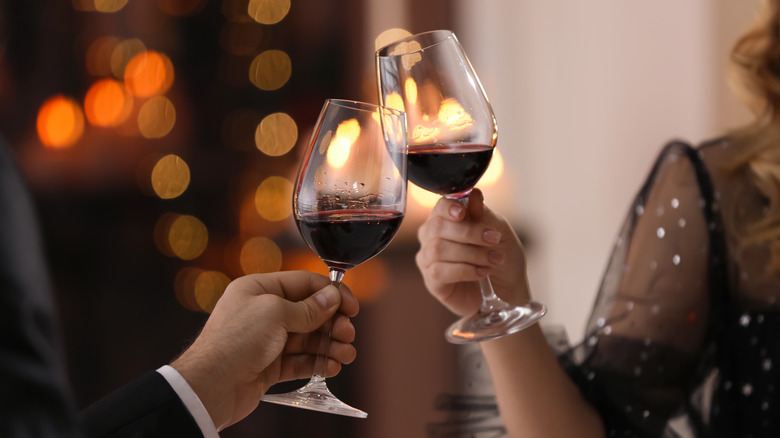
<point>314,396</point>
<point>494,324</point>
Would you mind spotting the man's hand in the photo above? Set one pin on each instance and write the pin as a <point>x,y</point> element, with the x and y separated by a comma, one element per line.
<point>261,332</point>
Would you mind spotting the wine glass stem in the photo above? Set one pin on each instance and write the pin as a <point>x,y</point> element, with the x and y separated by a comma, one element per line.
<point>321,364</point>
<point>490,301</point>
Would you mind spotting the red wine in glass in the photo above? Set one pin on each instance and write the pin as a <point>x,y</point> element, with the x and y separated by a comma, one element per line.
<point>346,238</point>
<point>448,170</point>
<point>452,132</point>
<point>349,201</point>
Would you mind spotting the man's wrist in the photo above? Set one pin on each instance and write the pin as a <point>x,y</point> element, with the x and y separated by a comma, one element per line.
<point>190,399</point>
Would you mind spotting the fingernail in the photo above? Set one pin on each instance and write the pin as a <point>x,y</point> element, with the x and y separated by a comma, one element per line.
<point>327,297</point>
<point>491,236</point>
<point>495,257</point>
<point>482,271</point>
<point>455,211</point>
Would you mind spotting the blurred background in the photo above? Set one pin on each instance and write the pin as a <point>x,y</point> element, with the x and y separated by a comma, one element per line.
<point>161,138</point>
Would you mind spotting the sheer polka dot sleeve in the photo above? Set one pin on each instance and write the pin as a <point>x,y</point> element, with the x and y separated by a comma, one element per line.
<point>651,318</point>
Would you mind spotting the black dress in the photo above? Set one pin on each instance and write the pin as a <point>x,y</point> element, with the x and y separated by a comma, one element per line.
<point>684,338</point>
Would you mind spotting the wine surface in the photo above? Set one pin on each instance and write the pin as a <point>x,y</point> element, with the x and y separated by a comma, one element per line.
<point>345,238</point>
<point>447,169</point>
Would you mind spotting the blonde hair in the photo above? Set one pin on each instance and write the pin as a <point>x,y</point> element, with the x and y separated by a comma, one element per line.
<point>755,77</point>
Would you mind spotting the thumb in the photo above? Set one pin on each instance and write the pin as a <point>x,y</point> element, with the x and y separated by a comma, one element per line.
<point>308,315</point>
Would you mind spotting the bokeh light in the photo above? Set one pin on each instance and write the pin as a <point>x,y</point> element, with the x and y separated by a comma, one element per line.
<point>156,117</point>
<point>390,36</point>
<point>273,198</point>
<point>170,177</point>
<point>422,197</point>
<point>184,287</point>
<point>60,122</point>
<point>276,134</point>
<point>162,229</point>
<point>109,6</point>
<point>123,53</point>
<point>494,170</point>
<point>98,58</point>
<point>107,104</point>
<point>148,73</point>
<point>367,280</point>
<point>187,237</point>
<point>84,5</point>
<point>270,70</point>
<point>268,11</point>
<point>179,7</point>
<point>260,254</point>
<point>209,287</point>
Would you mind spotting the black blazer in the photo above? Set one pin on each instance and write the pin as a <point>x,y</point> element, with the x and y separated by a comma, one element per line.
<point>35,397</point>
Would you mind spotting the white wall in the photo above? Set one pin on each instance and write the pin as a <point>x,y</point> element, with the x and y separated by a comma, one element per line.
<point>586,94</point>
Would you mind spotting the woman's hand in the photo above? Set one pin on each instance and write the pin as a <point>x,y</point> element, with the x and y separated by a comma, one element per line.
<point>460,245</point>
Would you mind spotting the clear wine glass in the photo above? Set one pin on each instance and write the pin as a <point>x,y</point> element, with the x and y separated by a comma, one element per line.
<point>452,133</point>
<point>349,201</point>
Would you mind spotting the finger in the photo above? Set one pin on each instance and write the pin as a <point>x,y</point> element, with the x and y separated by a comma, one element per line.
<point>342,352</point>
<point>309,314</point>
<point>291,285</point>
<point>443,273</point>
<point>343,331</point>
<point>439,226</point>
<point>441,250</point>
<point>349,303</point>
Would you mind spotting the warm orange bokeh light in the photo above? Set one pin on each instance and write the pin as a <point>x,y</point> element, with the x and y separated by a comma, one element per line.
<point>170,177</point>
<point>60,122</point>
<point>270,70</point>
<point>259,255</point>
<point>272,198</point>
<point>148,73</point>
<point>184,287</point>
<point>494,170</point>
<point>99,55</point>
<point>365,280</point>
<point>390,36</point>
<point>107,104</point>
<point>423,197</point>
<point>268,11</point>
<point>208,288</point>
<point>187,237</point>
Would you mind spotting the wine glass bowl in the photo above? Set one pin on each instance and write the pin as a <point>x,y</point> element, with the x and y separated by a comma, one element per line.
<point>451,128</point>
<point>451,132</point>
<point>349,200</point>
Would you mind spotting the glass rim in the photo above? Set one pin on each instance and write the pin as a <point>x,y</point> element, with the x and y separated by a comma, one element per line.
<point>445,35</point>
<point>365,106</point>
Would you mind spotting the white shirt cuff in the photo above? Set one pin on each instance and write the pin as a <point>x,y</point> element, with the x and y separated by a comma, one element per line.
<point>190,400</point>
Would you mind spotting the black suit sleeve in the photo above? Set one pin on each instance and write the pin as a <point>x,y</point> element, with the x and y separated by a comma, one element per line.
<point>146,407</point>
<point>35,400</point>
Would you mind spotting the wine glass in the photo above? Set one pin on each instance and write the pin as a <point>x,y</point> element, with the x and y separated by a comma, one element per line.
<point>452,132</point>
<point>349,201</point>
